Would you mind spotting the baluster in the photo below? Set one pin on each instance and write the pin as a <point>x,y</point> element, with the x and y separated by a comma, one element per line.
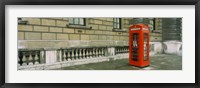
<point>68,55</point>
<point>30,62</point>
<point>88,53</point>
<point>76,55</point>
<point>79,54</point>
<point>103,54</point>
<point>122,50</point>
<point>92,52</point>
<point>36,58</point>
<point>64,55</point>
<point>24,59</point>
<point>121,53</point>
<point>96,52</point>
<point>125,50</point>
<point>118,50</point>
<point>18,61</point>
<point>115,51</point>
<point>83,53</point>
<point>72,50</point>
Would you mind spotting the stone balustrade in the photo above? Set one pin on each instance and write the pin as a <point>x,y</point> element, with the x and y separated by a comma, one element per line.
<point>82,53</point>
<point>30,57</point>
<point>121,50</point>
<point>58,58</point>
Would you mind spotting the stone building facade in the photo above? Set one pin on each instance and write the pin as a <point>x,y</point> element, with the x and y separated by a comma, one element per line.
<point>49,43</point>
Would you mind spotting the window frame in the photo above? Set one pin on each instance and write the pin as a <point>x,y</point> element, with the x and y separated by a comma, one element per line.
<point>74,23</point>
<point>118,23</point>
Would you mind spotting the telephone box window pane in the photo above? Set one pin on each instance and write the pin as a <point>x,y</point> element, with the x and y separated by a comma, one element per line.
<point>135,47</point>
<point>145,46</point>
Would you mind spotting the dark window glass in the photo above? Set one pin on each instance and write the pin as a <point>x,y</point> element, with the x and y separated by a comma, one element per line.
<point>117,23</point>
<point>77,21</point>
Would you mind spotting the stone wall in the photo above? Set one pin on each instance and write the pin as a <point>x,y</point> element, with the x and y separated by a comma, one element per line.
<point>58,29</point>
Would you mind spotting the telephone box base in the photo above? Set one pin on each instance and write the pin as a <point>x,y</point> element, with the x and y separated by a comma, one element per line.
<point>141,66</point>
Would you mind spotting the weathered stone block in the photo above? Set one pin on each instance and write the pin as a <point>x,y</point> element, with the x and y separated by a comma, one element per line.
<point>61,23</point>
<point>91,21</point>
<point>25,27</point>
<point>74,36</point>
<point>109,37</point>
<point>108,23</point>
<point>68,30</point>
<point>125,34</point>
<point>32,20</point>
<point>80,31</point>
<point>55,29</point>
<point>41,28</point>
<point>48,36</point>
<point>103,37</point>
<point>89,31</point>
<point>109,19</point>
<point>98,32</point>
<point>94,26</point>
<point>94,37</point>
<point>32,36</point>
<point>20,35</point>
<point>108,33</point>
<point>65,18</point>
<point>98,22</point>
<point>114,33</point>
<point>109,27</point>
<point>101,27</point>
<point>60,18</point>
<point>85,37</point>
<point>62,37</point>
<point>116,37</point>
<point>48,22</point>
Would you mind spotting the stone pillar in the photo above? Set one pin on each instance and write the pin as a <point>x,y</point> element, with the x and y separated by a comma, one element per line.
<point>51,56</point>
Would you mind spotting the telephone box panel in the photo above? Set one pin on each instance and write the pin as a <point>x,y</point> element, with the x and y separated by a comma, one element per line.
<point>139,45</point>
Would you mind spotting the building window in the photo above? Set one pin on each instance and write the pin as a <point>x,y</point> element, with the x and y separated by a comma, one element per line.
<point>77,21</point>
<point>117,23</point>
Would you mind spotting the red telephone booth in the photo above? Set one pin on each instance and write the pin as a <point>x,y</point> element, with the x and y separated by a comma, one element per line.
<point>139,45</point>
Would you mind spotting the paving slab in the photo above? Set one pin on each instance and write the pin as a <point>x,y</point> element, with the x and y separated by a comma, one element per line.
<point>157,62</point>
